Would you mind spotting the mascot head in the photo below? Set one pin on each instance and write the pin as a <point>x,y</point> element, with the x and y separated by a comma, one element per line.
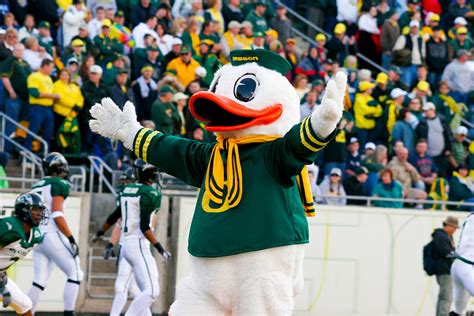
<point>249,96</point>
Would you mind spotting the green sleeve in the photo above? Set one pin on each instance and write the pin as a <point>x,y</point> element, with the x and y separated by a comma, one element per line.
<point>159,116</point>
<point>60,188</point>
<point>183,158</point>
<point>34,92</point>
<point>150,201</point>
<point>287,156</point>
<point>6,68</point>
<point>104,49</point>
<point>8,234</point>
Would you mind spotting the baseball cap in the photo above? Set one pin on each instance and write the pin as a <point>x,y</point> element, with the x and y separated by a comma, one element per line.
<point>434,17</point>
<point>397,92</point>
<point>153,48</point>
<point>382,78</point>
<point>77,42</point>
<point>429,106</point>
<point>146,67</point>
<point>176,41</point>
<point>121,71</point>
<point>119,13</point>
<point>166,89</point>
<point>185,49</point>
<point>462,30</point>
<point>246,24</point>
<point>83,26</point>
<point>72,60</point>
<point>317,82</point>
<point>179,96</point>
<point>44,24</point>
<point>361,170</point>
<point>423,86</point>
<point>106,23</point>
<point>207,42</point>
<point>320,37</point>
<point>451,221</point>
<point>336,171</point>
<point>258,34</point>
<point>460,20</point>
<point>463,52</point>
<point>396,70</point>
<point>353,140</point>
<point>370,145</point>
<point>340,28</point>
<point>461,130</point>
<point>414,23</point>
<point>365,85</point>
<point>272,33</point>
<point>95,69</point>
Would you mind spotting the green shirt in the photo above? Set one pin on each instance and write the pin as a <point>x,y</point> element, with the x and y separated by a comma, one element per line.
<point>166,117</point>
<point>15,244</point>
<point>270,213</point>
<point>211,63</point>
<point>259,23</point>
<point>17,71</point>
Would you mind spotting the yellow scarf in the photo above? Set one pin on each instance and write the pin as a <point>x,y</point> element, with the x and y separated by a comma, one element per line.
<point>217,178</point>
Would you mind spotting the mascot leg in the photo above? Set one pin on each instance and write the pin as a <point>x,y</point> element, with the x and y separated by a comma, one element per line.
<point>255,283</point>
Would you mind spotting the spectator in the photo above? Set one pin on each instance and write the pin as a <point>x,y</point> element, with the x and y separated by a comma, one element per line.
<point>108,5</point>
<point>232,12</point>
<point>164,40</point>
<point>300,83</point>
<point>424,163</point>
<point>412,13</point>
<point>152,58</point>
<point>164,114</point>
<point>95,25</point>
<point>110,74</point>
<point>447,106</point>
<point>214,13</point>
<point>335,151</point>
<point>347,11</point>
<point>231,39</point>
<point>310,105</point>
<point>70,97</point>
<point>458,150</point>
<point>421,91</point>
<point>180,99</point>
<point>415,108</point>
<point>84,68</point>
<point>309,65</point>
<point>208,32</point>
<point>380,92</point>
<point>332,189</point>
<point>246,34</point>
<point>405,173</point>
<point>281,24</point>
<point>258,41</point>
<point>73,66</point>
<point>409,52</point>
<point>34,53</point>
<point>340,45</point>
<point>421,75</point>
<point>366,111</point>
<point>442,256</point>
<point>93,91</point>
<point>208,60</point>
<point>459,77</point>
<point>186,9</point>
<point>119,92</point>
<point>388,37</point>
<point>257,17</point>
<point>41,99</point>
<point>461,41</point>
<point>434,129</point>
<point>355,186</point>
<point>141,11</point>
<point>394,106</point>
<point>185,66</point>
<point>145,93</point>
<point>437,57</point>
<point>388,188</point>
<point>321,46</point>
<point>122,33</point>
<point>353,157</point>
<point>45,39</point>
<point>176,46</point>
<point>15,71</point>
<point>163,16</point>
<point>6,46</point>
<point>369,37</point>
<point>84,37</point>
<point>147,27</point>
<point>107,47</point>
<point>458,22</point>
<point>402,130</point>
<point>375,163</point>
<point>72,19</point>
<point>28,29</point>
<point>395,81</point>
<point>459,8</point>
<point>461,188</point>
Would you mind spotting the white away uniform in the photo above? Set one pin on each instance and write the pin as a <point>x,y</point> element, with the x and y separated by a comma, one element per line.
<point>55,249</point>
<point>462,270</point>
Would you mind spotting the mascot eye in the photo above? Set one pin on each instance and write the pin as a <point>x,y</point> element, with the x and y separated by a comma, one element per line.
<point>245,87</point>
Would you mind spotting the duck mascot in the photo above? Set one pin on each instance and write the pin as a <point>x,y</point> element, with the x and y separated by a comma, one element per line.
<point>249,227</point>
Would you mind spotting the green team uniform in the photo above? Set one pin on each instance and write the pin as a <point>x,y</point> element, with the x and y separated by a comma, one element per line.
<point>14,242</point>
<point>137,202</point>
<point>270,213</point>
<point>48,188</point>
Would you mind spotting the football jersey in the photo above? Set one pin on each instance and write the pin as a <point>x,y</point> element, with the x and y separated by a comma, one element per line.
<point>14,244</point>
<point>48,188</point>
<point>137,201</point>
<point>465,246</point>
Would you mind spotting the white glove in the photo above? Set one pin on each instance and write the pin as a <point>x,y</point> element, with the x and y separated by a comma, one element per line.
<point>109,121</point>
<point>167,255</point>
<point>325,118</point>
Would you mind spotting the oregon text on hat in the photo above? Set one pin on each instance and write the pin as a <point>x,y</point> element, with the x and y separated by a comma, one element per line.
<point>262,57</point>
<point>245,58</point>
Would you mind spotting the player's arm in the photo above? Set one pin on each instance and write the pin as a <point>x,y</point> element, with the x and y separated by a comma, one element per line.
<point>111,220</point>
<point>58,217</point>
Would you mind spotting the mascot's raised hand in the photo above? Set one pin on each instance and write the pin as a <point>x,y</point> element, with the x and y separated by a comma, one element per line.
<point>109,121</point>
<point>325,118</point>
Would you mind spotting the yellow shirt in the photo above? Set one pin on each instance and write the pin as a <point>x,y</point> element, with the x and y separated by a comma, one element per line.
<point>70,96</point>
<point>184,73</point>
<point>365,114</point>
<point>43,84</point>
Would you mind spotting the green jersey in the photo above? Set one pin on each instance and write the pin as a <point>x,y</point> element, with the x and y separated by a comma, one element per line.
<point>48,188</point>
<point>137,202</point>
<point>270,213</point>
<point>15,244</point>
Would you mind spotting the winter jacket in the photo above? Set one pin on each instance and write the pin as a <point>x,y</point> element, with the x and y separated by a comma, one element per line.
<point>366,110</point>
<point>459,188</point>
<point>443,245</point>
<point>402,131</point>
<point>71,96</point>
<point>354,187</point>
<point>72,19</point>
<point>337,193</point>
<point>393,191</point>
<point>390,34</point>
<point>437,56</point>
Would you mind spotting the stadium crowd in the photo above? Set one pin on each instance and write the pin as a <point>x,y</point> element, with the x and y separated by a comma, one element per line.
<point>405,129</point>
